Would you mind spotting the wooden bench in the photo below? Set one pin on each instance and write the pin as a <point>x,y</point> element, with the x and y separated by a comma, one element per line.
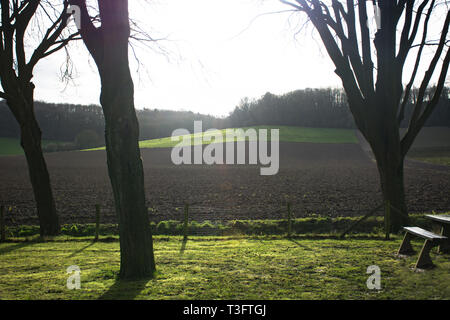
<point>431,240</point>
<point>444,221</point>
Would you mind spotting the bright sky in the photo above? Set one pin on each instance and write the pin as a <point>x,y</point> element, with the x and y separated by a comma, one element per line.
<point>219,52</point>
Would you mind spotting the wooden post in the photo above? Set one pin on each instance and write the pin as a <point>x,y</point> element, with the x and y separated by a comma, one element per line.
<point>97,221</point>
<point>387,220</point>
<point>289,219</point>
<point>186,221</point>
<point>2,224</point>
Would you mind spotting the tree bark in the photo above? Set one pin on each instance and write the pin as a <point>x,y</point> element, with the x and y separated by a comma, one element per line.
<point>109,47</point>
<point>126,172</point>
<point>385,143</point>
<point>392,186</point>
<point>30,141</point>
<point>383,114</point>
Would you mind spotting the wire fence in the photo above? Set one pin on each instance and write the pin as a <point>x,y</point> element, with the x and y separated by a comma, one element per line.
<point>201,220</point>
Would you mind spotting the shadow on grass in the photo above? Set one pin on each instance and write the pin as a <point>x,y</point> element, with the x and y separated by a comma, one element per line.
<point>125,289</point>
<point>15,246</point>
<point>183,245</point>
<point>299,244</point>
<point>80,250</point>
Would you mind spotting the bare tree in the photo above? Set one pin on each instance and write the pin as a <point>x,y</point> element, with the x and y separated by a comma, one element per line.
<point>108,45</point>
<point>16,73</point>
<point>376,96</point>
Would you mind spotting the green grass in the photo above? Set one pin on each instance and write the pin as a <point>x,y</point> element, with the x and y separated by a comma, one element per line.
<point>314,135</point>
<point>287,134</point>
<point>315,226</point>
<point>222,268</point>
<point>11,146</point>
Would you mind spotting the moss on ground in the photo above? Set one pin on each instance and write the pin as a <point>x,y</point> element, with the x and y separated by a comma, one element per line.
<point>222,268</point>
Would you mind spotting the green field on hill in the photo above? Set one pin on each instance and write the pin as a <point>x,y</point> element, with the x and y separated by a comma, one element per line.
<point>11,146</point>
<point>287,134</point>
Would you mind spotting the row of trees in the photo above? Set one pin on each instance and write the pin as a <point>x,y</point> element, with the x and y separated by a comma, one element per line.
<point>83,126</point>
<point>321,108</point>
<point>372,79</point>
<point>63,122</point>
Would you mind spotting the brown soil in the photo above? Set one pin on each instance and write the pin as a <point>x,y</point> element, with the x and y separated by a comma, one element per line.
<point>326,179</point>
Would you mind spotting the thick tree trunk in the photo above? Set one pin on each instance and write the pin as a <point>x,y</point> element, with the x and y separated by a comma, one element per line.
<point>108,45</point>
<point>123,153</point>
<point>385,143</point>
<point>385,129</point>
<point>392,186</point>
<point>126,174</point>
<point>37,168</point>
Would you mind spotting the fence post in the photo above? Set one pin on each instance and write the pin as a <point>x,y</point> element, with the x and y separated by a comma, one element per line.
<point>97,221</point>
<point>387,220</point>
<point>186,221</point>
<point>289,219</point>
<point>2,224</point>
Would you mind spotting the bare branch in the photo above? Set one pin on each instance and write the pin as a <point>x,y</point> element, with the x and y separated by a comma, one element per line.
<point>51,35</point>
<point>88,31</point>
<point>366,49</point>
<point>418,118</point>
<point>3,95</point>
<point>61,44</point>
<point>299,8</point>
<point>406,95</point>
<point>405,41</point>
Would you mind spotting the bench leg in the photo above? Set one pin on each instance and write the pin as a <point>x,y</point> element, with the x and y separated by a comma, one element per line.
<point>444,246</point>
<point>424,260</point>
<point>405,247</point>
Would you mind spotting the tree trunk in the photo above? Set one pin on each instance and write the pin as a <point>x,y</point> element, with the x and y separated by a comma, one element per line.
<point>392,186</point>
<point>123,154</point>
<point>383,114</point>
<point>387,150</point>
<point>37,168</point>
<point>126,175</point>
<point>108,45</point>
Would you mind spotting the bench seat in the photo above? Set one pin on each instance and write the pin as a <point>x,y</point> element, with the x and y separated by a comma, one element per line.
<point>431,240</point>
<point>424,233</point>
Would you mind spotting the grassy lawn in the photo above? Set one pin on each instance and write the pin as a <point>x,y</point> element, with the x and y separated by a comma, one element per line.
<point>222,268</point>
<point>287,134</point>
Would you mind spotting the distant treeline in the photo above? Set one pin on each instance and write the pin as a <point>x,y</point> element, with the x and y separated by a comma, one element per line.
<point>321,108</point>
<point>83,125</point>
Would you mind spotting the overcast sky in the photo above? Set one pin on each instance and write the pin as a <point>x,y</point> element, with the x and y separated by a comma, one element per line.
<point>219,52</point>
